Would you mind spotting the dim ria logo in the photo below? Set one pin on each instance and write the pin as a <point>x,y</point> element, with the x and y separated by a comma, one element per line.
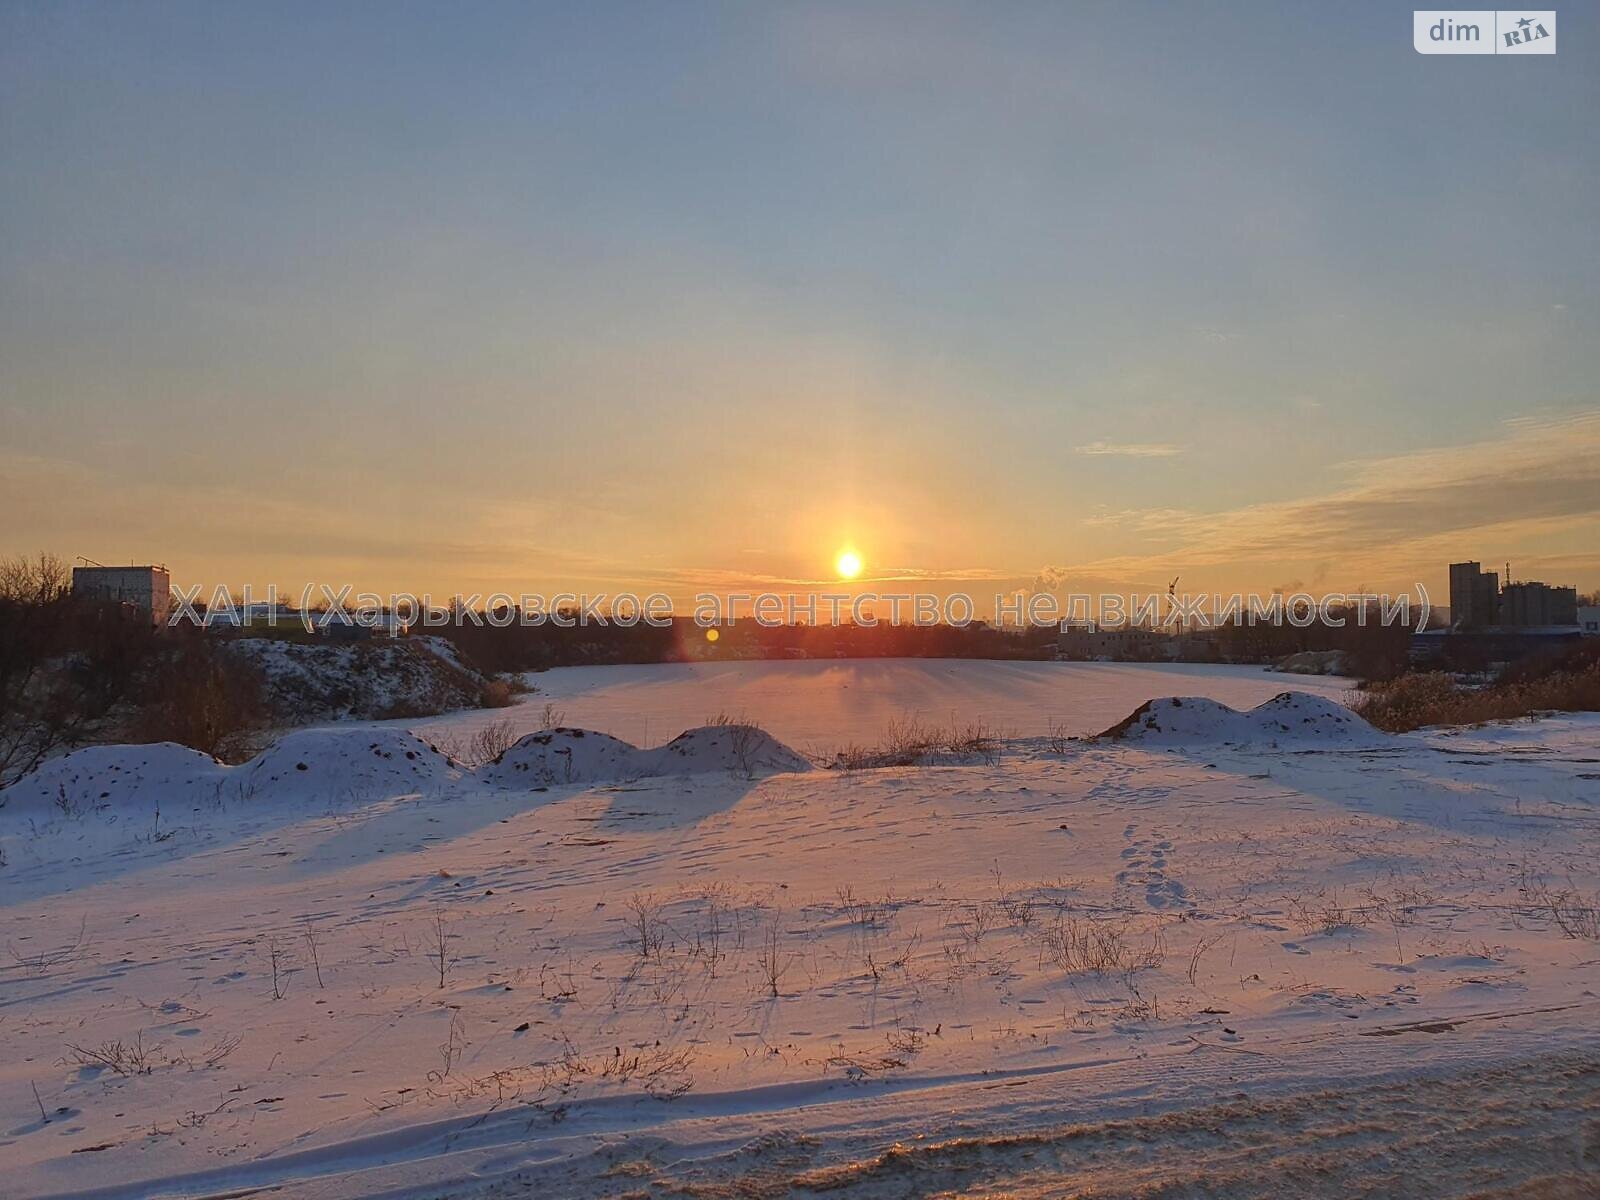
<point>1483,31</point>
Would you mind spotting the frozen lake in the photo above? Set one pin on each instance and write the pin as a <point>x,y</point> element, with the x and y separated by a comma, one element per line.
<point>822,705</point>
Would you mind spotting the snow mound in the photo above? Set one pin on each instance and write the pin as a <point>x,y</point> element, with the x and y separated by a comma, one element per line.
<point>115,778</point>
<point>1289,717</point>
<point>1293,715</point>
<point>1314,662</point>
<point>556,756</point>
<point>743,749</point>
<point>340,762</point>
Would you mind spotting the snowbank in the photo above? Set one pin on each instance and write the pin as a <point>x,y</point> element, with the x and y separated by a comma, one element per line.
<point>557,756</point>
<point>114,778</point>
<point>370,764</point>
<point>743,749</point>
<point>132,782</point>
<point>1314,662</point>
<point>1289,717</point>
<point>367,763</point>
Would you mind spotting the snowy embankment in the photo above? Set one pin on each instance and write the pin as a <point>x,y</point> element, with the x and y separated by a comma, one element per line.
<point>338,970</point>
<point>374,680</point>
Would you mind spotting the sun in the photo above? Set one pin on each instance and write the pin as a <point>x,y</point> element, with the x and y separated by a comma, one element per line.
<point>848,564</point>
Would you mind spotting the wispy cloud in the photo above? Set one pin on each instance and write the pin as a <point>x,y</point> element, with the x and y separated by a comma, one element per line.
<point>1130,449</point>
<point>1540,478</point>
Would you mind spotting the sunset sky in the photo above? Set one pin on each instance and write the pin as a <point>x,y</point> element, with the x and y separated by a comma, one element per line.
<point>690,297</point>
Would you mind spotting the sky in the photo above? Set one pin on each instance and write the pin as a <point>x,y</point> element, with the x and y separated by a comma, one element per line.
<point>603,297</point>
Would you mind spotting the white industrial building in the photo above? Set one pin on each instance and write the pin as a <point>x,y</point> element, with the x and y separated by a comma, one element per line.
<point>145,589</point>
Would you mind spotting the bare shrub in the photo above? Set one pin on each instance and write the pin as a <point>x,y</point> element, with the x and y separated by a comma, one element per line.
<point>1399,905</point>
<point>119,1057</point>
<point>439,952</point>
<point>313,941</point>
<point>1087,946</point>
<point>1192,972</point>
<point>497,693</point>
<point>493,740</point>
<point>1327,913</point>
<point>973,740</point>
<point>206,701</point>
<point>1570,911</point>
<point>278,968</point>
<point>745,741</point>
<point>644,924</point>
<point>1433,698</point>
<point>1018,910</point>
<point>744,745</point>
<point>772,963</point>
<point>451,1048</point>
<point>863,911</point>
<point>663,1071</point>
<point>485,745</point>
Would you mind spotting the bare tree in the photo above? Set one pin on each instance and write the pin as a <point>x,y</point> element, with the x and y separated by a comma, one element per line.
<point>205,700</point>
<point>41,579</point>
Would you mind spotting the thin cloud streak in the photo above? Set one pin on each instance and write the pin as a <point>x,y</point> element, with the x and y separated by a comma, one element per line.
<point>1129,449</point>
<point>1542,476</point>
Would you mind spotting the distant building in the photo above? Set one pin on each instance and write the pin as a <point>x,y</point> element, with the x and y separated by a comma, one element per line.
<point>1534,603</point>
<point>1479,648</point>
<point>1474,596</point>
<point>1478,601</point>
<point>1087,643</point>
<point>144,589</point>
<point>360,626</point>
<point>253,616</point>
<point>1589,621</point>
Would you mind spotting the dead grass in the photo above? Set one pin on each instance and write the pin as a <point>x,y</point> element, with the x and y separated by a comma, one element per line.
<point>1574,914</point>
<point>910,742</point>
<point>118,1057</point>
<point>1433,698</point>
<point>497,693</point>
<point>1082,945</point>
<point>746,740</point>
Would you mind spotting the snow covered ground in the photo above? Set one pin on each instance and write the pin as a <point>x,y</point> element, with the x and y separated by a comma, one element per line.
<point>1265,954</point>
